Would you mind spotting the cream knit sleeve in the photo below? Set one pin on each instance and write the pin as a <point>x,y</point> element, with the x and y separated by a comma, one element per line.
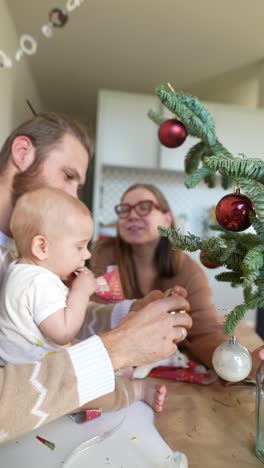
<point>34,394</point>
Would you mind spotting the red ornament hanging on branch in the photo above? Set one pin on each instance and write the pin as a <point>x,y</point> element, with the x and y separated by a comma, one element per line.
<point>172,133</point>
<point>232,211</point>
<point>205,262</point>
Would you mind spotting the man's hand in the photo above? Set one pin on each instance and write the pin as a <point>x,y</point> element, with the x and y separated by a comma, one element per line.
<point>155,295</point>
<point>148,335</point>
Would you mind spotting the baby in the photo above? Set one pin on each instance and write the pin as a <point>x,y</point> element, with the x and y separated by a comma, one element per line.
<point>38,313</point>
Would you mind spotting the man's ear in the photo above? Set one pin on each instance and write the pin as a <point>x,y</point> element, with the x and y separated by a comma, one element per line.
<point>39,247</point>
<point>22,153</point>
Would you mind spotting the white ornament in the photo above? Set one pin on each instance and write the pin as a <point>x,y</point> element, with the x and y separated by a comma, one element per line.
<point>47,30</point>
<point>232,361</point>
<point>28,44</point>
<point>5,61</point>
<point>19,54</point>
<point>72,5</point>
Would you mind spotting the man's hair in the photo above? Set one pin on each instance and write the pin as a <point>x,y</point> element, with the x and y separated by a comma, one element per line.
<point>45,131</point>
<point>46,211</point>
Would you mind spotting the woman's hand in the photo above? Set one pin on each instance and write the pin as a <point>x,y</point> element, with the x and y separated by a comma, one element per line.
<point>257,357</point>
<point>155,295</point>
<point>179,290</point>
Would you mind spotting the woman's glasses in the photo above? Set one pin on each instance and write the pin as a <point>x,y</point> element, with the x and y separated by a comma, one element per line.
<point>142,208</point>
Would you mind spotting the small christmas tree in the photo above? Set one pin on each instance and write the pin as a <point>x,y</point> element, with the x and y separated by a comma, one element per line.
<point>241,254</point>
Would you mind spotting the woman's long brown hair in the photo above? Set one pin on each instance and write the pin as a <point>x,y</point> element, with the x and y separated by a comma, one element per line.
<point>166,259</point>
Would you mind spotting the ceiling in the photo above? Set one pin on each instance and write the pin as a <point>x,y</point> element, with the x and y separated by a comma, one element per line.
<point>135,45</point>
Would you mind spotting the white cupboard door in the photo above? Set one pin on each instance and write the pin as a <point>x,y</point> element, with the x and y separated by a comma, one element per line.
<point>125,135</point>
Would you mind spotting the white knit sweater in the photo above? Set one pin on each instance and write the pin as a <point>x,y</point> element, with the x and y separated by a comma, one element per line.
<point>37,393</point>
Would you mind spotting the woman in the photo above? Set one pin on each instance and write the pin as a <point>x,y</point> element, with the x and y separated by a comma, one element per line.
<point>148,262</point>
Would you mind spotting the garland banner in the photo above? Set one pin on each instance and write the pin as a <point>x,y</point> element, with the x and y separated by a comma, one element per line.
<point>28,44</point>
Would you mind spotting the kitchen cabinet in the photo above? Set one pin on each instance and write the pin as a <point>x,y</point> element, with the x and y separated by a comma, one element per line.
<point>125,135</point>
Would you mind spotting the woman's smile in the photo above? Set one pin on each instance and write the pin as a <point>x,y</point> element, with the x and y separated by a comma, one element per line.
<point>134,228</point>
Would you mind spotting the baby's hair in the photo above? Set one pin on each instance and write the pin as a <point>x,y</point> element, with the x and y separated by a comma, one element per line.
<point>46,211</point>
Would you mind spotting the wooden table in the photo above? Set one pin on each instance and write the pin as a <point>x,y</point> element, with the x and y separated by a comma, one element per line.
<point>213,425</point>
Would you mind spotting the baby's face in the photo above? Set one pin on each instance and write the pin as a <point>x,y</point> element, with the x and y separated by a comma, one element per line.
<point>69,251</point>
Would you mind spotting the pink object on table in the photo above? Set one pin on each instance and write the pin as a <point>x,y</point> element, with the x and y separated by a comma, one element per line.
<point>91,414</point>
<point>115,292</point>
<point>184,375</point>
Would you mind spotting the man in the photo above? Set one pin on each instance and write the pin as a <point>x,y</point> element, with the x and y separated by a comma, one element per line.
<point>53,150</point>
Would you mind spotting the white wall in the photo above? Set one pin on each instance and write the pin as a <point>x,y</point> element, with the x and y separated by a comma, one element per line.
<point>241,87</point>
<point>16,83</point>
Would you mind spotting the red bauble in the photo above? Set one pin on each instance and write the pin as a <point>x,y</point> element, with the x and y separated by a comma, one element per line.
<point>205,262</point>
<point>232,212</point>
<point>172,133</point>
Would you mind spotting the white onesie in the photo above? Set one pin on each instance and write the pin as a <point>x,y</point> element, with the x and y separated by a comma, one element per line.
<point>29,294</point>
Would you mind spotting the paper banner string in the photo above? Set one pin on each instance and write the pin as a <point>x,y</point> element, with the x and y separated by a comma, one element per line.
<point>57,18</point>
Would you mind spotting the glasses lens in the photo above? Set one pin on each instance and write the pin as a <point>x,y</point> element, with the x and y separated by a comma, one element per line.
<point>143,208</point>
<point>122,210</point>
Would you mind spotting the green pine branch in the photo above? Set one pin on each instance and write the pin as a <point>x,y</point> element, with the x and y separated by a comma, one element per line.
<point>226,182</point>
<point>251,264</point>
<point>241,254</point>
<point>156,118</point>
<point>195,117</point>
<point>236,167</point>
<point>197,177</point>
<point>194,156</point>
<point>229,277</point>
<point>180,241</point>
<point>238,313</point>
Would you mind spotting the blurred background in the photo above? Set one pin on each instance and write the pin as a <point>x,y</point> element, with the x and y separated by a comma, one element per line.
<point>103,65</point>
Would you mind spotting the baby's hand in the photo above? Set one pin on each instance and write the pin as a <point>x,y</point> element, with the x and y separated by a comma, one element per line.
<point>85,282</point>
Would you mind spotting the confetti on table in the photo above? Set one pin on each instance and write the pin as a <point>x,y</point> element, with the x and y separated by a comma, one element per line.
<point>91,414</point>
<point>133,438</point>
<point>48,444</point>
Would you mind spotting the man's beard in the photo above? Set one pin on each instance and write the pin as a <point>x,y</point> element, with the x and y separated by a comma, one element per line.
<point>27,181</point>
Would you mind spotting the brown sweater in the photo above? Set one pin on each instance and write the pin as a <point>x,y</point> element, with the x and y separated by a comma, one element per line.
<point>207,330</point>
